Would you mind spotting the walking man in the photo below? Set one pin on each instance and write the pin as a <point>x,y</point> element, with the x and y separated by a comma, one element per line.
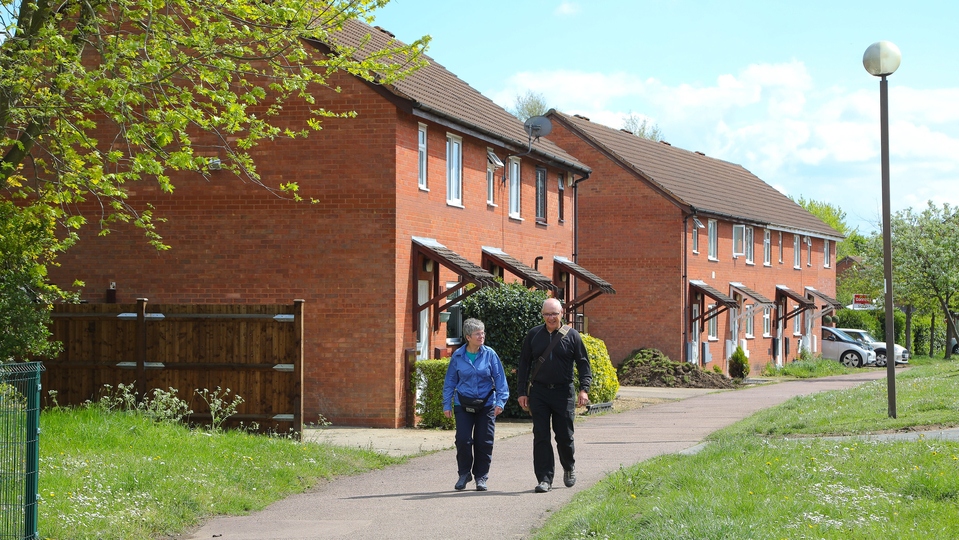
<point>546,390</point>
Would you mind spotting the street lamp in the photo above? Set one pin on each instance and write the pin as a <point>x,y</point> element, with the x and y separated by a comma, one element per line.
<point>882,59</point>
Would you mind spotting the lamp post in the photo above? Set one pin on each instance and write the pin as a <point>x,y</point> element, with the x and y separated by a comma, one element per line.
<point>882,59</point>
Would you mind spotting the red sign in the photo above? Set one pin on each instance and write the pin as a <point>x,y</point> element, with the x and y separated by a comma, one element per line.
<point>861,300</point>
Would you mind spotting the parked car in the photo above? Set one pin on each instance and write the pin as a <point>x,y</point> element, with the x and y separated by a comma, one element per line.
<point>954,345</point>
<point>840,346</point>
<point>902,353</point>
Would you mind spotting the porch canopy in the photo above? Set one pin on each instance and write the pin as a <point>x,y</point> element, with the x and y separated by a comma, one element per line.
<point>597,285</point>
<point>495,257</point>
<point>829,302</point>
<point>429,249</point>
<point>759,301</point>
<point>723,302</point>
<point>784,293</point>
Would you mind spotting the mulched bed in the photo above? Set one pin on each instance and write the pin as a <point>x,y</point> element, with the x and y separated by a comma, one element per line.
<point>650,367</point>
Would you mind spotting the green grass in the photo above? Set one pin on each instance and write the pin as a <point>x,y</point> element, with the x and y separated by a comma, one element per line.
<point>806,369</point>
<point>106,475</point>
<point>766,477</point>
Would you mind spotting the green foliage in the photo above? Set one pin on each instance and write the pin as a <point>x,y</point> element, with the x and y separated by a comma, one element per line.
<point>807,369</point>
<point>605,383</point>
<point>220,408</point>
<point>508,312</point>
<point>427,386</point>
<point>650,367</point>
<point>640,126</point>
<point>528,105</point>
<point>861,319</point>
<point>739,364</point>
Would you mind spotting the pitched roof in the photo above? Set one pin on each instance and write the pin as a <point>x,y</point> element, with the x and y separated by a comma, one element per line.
<point>435,90</point>
<point>701,184</point>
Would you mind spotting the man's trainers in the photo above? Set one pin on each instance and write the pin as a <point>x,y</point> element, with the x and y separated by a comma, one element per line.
<point>543,487</point>
<point>569,478</point>
<point>461,483</point>
<point>481,484</point>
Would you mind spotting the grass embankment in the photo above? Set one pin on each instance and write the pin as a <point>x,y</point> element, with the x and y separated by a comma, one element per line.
<point>120,475</point>
<point>770,477</point>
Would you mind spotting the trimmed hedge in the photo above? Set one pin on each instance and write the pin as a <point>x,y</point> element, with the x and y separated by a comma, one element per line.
<point>605,383</point>
<point>427,386</point>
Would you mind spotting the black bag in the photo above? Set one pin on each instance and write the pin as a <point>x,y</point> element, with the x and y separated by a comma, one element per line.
<point>473,404</point>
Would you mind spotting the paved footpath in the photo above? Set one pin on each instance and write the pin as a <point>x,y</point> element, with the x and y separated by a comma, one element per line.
<point>416,500</point>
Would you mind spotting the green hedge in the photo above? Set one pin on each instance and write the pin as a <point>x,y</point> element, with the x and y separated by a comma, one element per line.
<point>605,383</point>
<point>427,386</point>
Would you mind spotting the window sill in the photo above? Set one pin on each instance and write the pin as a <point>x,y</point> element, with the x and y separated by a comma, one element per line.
<point>713,340</point>
<point>541,222</point>
<point>713,259</point>
<point>768,265</point>
<point>750,263</point>
<point>492,204</point>
<point>515,217</point>
<point>455,204</point>
<point>750,336</point>
<point>424,189</point>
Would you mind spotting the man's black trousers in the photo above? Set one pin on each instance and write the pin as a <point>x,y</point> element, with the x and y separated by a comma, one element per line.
<point>554,406</point>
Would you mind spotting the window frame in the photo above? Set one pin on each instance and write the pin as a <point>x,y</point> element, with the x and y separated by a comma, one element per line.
<point>561,206</point>
<point>739,240</point>
<point>454,170</point>
<point>422,157</point>
<point>542,180</point>
<point>797,252</point>
<point>712,236</point>
<point>749,244</point>
<point>695,240</point>
<point>749,323</point>
<point>767,321</point>
<point>767,247</point>
<point>808,251</point>
<point>712,325</point>
<point>797,322</point>
<point>826,254</point>
<point>780,247</point>
<point>515,188</point>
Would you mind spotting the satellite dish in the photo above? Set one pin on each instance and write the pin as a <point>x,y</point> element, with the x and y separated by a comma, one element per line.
<point>538,126</point>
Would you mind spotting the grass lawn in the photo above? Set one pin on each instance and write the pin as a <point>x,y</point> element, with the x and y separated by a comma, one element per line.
<point>769,477</point>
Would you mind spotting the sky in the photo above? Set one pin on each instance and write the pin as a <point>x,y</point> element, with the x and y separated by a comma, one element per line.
<point>777,87</point>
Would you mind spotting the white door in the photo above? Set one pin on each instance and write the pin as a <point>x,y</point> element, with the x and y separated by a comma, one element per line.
<point>423,339</point>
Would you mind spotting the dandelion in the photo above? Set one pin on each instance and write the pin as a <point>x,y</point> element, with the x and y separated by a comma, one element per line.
<point>633,495</point>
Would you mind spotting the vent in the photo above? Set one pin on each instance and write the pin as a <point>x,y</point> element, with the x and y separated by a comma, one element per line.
<point>666,143</point>
<point>581,117</point>
<point>385,31</point>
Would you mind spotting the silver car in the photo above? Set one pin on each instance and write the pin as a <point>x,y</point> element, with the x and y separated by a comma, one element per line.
<point>840,346</point>
<point>902,354</point>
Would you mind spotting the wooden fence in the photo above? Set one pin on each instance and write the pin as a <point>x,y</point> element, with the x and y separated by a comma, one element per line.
<point>254,350</point>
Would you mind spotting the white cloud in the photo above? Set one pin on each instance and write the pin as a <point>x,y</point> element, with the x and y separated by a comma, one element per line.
<point>566,8</point>
<point>822,143</point>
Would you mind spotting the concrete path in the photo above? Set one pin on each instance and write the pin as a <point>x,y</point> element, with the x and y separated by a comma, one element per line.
<point>416,500</point>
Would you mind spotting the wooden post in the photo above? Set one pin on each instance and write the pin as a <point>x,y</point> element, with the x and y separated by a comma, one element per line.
<point>141,347</point>
<point>409,364</point>
<point>298,366</point>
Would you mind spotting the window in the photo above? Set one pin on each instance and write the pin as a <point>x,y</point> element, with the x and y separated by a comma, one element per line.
<point>780,247</point>
<point>739,232</point>
<point>748,323</point>
<point>797,254</point>
<point>767,321</point>
<point>454,326</point>
<point>712,326</point>
<point>562,195</point>
<point>750,245</point>
<point>808,251</point>
<point>695,238</point>
<point>490,184</point>
<point>422,158</point>
<point>826,255</point>
<point>713,238</point>
<point>540,195</point>
<point>454,170</point>
<point>514,184</point>
<point>797,320</point>
<point>767,248</point>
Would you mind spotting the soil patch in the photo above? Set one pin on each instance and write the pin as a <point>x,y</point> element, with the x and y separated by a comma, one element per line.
<point>650,367</point>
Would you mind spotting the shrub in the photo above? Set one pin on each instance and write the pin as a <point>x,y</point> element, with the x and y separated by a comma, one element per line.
<point>508,312</point>
<point>851,318</point>
<point>738,364</point>
<point>605,383</point>
<point>427,386</point>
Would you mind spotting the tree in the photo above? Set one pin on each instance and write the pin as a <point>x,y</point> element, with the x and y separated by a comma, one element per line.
<point>835,217</point>
<point>640,126</point>
<point>528,105</point>
<point>95,96</point>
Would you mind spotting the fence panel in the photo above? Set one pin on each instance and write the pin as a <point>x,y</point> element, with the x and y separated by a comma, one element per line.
<point>253,350</point>
<point>19,449</point>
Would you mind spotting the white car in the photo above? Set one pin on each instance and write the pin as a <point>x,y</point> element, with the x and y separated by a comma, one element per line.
<point>840,346</point>
<point>902,353</point>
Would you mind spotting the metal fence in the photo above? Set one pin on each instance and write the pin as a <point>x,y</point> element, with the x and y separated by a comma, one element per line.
<point>19,449</point>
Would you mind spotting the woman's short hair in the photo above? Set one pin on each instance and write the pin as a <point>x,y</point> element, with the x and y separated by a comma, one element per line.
<point>472,325</point>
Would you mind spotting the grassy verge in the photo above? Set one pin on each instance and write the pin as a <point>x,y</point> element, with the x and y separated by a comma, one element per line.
<point>766,477</point>
<point>807,369</point>
<point>120,475</point>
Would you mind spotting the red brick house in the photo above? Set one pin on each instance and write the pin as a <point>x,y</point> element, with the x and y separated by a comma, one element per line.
<point>432,186</point>
<point>704,254</point>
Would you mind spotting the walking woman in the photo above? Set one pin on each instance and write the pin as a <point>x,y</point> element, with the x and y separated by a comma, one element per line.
<point>475,391</point>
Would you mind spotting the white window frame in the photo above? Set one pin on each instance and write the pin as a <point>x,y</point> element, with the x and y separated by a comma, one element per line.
<point>455,321</point>
<point>712,325</point>
<point>797,252</point>
<point>454,170</point>
<point>767,248</point>
<point>695,238</point>
<point>490,184</point>
<point>797,322</point>
<point>561,207</point>
<point>515,183</point>
<point>826,254</point>
<point>808,251</point>
<point>749,244</point>
<point>780,247</point>
<point>739,240</point>
<point>767,321</point>
<point>749,322</point>
<point>422,158</point>
<point>542,192</point>
<point>713,238</point>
